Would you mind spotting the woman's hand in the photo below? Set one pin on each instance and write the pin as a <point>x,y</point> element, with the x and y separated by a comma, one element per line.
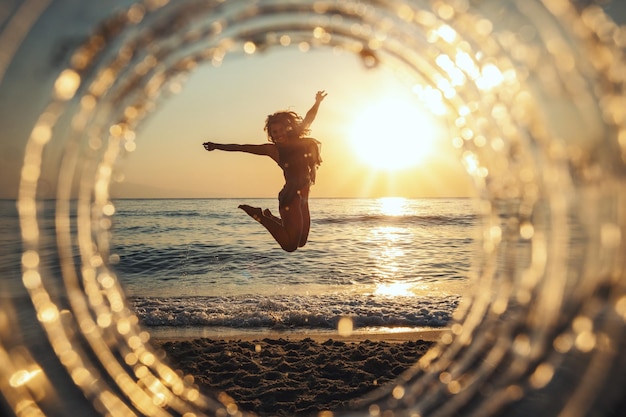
<point>320,95</point>
<point>209,146</point>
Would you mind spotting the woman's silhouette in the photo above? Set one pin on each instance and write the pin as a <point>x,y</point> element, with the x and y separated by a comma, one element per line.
<point>298,156</point>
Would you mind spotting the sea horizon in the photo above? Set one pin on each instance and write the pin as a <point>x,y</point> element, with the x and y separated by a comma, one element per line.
<point>261,198</point>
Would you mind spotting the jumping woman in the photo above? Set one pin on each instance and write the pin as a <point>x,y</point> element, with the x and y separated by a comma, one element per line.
<point>298,156</point>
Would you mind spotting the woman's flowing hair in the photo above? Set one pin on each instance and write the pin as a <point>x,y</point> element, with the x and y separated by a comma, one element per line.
<point>292,122</point>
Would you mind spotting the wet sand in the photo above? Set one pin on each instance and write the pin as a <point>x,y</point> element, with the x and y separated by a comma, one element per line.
<point>295,373</point>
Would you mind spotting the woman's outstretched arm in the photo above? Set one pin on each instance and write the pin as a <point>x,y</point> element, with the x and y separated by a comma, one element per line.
<point>264,149</point>
<point>312,113</point>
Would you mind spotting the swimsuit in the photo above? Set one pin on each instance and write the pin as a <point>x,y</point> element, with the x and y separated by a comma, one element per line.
<point>298,160</point>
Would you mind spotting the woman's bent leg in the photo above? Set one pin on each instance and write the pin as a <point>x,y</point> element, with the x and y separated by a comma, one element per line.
<point>287,233</point>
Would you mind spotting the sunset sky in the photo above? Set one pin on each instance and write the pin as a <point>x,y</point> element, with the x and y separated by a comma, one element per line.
<point>377,138</point>
<point>371,146</point>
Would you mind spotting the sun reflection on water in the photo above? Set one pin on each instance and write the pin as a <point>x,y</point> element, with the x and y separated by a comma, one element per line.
<point>387,251</point>
<point>393,206</point>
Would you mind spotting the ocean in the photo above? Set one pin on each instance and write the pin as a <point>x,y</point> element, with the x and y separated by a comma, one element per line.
<point>203,268</point>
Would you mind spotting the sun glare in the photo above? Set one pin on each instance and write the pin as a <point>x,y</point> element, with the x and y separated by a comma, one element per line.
<point>392,133</point>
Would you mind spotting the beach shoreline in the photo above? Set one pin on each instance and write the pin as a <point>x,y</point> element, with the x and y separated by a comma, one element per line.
<point>303,373</point>
<point>397,336</point>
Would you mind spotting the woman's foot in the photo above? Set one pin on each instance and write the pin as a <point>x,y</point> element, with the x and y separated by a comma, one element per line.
<point>268,213</point>
<point>253,212</point>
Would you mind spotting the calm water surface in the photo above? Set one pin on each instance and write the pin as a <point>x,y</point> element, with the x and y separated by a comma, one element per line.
<point>203,264</point>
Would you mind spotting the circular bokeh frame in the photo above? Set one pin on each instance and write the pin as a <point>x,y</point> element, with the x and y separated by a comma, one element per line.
<point>533,92</point>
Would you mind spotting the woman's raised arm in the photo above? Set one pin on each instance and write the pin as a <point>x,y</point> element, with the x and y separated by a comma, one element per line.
<point>312,113</point>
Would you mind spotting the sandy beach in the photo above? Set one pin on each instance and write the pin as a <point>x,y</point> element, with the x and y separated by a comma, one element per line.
<point>287,374</point>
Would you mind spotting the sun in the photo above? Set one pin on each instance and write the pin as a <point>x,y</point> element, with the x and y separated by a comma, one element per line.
<point>392,133</point>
